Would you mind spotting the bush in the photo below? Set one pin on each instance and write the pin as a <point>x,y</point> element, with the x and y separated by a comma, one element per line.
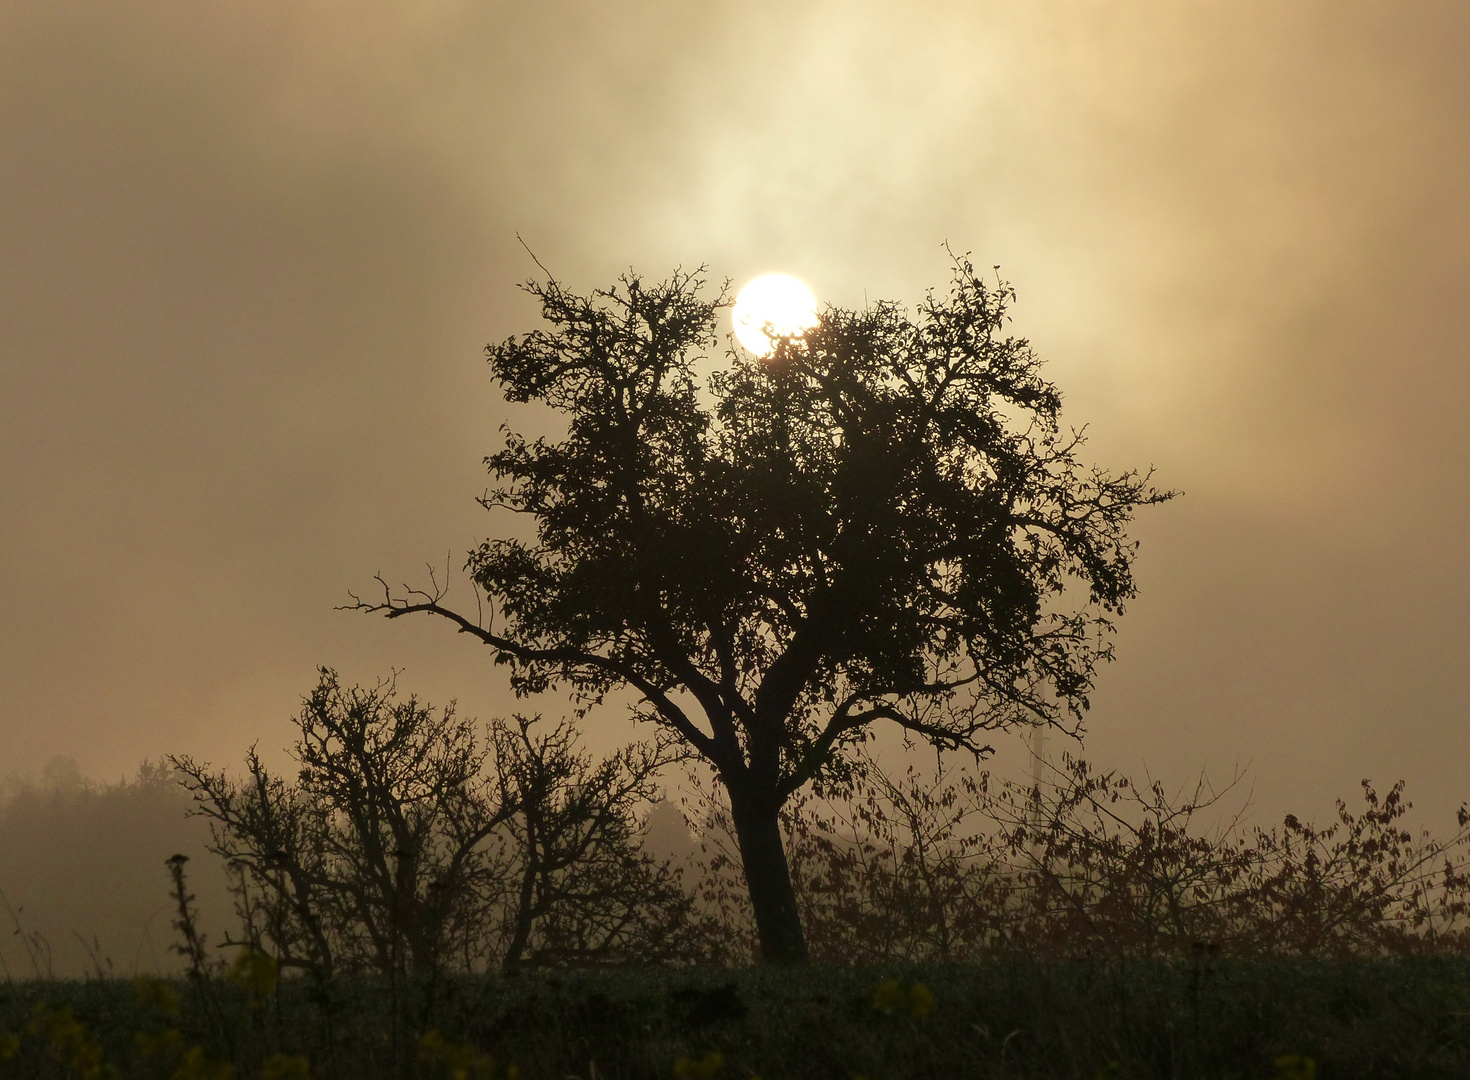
<point>410,844</point>
<point>967,867</point>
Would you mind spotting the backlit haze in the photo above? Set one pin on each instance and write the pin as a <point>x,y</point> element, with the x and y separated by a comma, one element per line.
<point>250,255</point>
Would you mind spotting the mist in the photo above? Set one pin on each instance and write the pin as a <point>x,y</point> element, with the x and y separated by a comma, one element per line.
<point>250,256</point>
<point>83,881</point>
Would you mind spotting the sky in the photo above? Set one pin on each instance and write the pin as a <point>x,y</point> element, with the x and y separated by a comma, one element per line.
<point>251,253</point>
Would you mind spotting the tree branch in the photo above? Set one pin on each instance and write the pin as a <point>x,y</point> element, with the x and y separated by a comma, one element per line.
<point>564,658</point>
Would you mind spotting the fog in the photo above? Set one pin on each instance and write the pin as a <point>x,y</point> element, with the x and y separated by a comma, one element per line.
<point>250,256</point>
<point>84,889</point>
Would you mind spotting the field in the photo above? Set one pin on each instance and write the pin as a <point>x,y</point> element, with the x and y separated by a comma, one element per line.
<point>1403,1017</point>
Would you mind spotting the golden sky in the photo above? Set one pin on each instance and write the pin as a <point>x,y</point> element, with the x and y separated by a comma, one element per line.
<point>250,254</point>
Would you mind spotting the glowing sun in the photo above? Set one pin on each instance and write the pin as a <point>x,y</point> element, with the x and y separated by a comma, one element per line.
<point>773,306</point>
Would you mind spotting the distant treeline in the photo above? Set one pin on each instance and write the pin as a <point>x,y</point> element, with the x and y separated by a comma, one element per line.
<point>82,872</point>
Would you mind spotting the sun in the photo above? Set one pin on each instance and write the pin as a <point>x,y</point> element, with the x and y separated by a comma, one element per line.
<point>773,306</point>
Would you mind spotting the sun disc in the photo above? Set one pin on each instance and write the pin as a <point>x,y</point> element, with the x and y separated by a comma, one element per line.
<point>773,306</point>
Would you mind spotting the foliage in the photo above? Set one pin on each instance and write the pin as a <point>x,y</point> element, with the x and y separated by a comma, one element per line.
<point>699,1068</point>
<point>884,521</point>
<point>900,997</point>
<point>443,1058</point>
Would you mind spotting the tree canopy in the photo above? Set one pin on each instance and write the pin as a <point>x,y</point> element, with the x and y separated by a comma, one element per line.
<point>884,520</point>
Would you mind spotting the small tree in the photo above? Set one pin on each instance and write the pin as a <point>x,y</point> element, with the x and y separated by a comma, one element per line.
<point>881,521</point>
<point>583,889</point>
<point>407,844</point>
<point>375,856</point>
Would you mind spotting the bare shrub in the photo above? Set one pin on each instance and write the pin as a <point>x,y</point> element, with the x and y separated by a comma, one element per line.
<point>964,866</point>
<point>585,890</point>
<point>409,844</point>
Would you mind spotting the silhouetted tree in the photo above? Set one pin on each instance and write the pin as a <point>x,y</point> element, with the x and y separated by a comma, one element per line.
<point>584,889</point>
<point>373,854</point>
<point>882,521</point>
<point>407,844</point>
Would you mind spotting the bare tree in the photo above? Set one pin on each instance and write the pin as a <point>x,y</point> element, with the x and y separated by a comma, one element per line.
<point>587,892</point>
<point>376,856</point>
<point>408,843</point>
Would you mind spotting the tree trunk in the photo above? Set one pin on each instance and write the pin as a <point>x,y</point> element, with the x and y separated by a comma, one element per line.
<point>768,877</point>
<point>525,902</point>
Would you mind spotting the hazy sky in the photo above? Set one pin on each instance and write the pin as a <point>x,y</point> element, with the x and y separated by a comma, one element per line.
<point>250,254</point>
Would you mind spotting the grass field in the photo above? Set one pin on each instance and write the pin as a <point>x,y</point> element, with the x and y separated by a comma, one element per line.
<point>1222,1019</point>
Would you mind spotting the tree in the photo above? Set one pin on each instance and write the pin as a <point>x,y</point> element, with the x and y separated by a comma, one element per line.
<point>375,856</point>
<point>583,889</point>
<point>883,520</point>
<point>408,844</point>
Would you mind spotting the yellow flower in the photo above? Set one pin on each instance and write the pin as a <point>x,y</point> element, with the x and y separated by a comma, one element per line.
<point>285,1067</point>
<point>156,994</point>
<point>68,1042</point>
<point>256,974</point>
<point>56,1025</point>
<point>687,1068</point>
<point>166,1043</point>
<point>459,1061</point>
<point>903,998</point>
<point>1295,1067</point>
<point>197,1066</point>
